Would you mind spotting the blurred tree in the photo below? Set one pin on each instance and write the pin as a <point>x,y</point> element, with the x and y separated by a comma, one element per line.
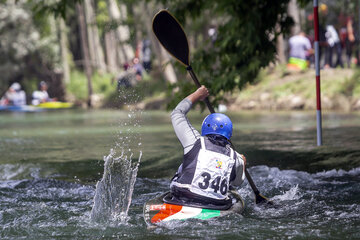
<point>57,7</point>
<point>29,49</point>
<point>85,50</point>
<point>111,55</point>
<point>144,15</point>
<point>108,35</point>
<point>294,12</point>
<point>280,49</point>
<point>64,49</point>
<point>95,48</point>
<point>245,40</point>
<point>118,14</point>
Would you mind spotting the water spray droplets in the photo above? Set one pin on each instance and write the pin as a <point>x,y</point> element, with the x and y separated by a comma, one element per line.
<point>114,191</point>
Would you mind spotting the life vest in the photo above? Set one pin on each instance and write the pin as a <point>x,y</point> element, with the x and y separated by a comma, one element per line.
<point>208,174</point>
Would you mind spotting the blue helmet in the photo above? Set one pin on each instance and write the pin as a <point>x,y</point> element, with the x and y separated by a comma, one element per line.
<point>217,123</point>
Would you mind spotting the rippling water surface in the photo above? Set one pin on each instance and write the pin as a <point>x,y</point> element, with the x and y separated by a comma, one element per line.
<point>51,162</point>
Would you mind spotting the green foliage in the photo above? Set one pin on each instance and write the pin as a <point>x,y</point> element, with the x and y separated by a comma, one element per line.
<point>303,3</point>
<point>246,40</point>
<point>102,84</point>
<point>102,16</point>
<point>58,8</point>
<point>77,87</point>
<point>30,86</point>
<point>28,47</point>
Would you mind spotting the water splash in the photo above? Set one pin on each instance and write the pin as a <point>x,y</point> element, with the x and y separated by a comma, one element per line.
<point>114,192</point>
<point>292,194</point>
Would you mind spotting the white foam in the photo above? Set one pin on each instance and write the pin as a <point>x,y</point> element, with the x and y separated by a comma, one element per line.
<point>18,171</point>
<point>292,194</point>
<point>276,178</point>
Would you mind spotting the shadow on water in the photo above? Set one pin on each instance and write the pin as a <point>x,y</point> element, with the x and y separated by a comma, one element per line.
<point>296,150</point>
<point>340,152</point>
<point>283,149</point>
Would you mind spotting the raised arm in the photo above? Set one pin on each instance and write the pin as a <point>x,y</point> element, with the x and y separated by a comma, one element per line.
<point>200,94</point>
<point>185,132</point>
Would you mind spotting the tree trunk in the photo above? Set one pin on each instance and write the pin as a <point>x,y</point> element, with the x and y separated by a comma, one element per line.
<point>169,71</point>
<point>64,50</point>
<point>95,48</point>
<point>57,87</point>
<point>280,49</point>
<point>85,50</point>
<point>281,45</point>
<point>111,56</point>
<point>294,12</point>
<point>159,51</point>
<point>126,52</point>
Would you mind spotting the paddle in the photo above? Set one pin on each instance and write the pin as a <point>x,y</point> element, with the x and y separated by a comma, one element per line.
<point>172,37</point>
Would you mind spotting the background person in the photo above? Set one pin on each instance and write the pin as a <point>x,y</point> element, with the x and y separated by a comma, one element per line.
<point>14,96</point>
<point>41,95</point>
<point>350,44</point>
<point>138,69</point>
<point>334,43</point>
<point>146,59</point>
<point>300,49</point>
<point>126,78</point>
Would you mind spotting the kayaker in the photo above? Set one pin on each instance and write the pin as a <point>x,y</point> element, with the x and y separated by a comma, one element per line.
<point>210,165</point>
<point>41,95</point>
<point>299,52</point>
<point>14,96</point>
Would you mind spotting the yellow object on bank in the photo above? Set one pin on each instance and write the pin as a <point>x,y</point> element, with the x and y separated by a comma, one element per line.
<point>298,63</point>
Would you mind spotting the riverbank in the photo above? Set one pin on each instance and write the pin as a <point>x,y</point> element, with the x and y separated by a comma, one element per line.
<point>274,89</point>
<point>279,89</point>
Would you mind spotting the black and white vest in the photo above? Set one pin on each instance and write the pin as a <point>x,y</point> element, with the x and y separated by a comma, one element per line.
<point>206,170</point>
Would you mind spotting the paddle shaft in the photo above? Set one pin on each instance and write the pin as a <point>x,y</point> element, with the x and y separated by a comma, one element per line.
<point>197,83</point>
<point>211,109</point>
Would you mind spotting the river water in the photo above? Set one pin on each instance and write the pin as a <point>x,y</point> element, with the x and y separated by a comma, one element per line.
<point>50,163</point>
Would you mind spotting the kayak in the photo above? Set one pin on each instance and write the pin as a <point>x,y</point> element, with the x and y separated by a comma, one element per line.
<point>37,108</point>
<point>23,108</point>
<point>158,210</point>
<point>54,105</point>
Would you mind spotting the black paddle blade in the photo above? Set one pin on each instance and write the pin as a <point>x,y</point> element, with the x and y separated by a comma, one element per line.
<point>260,199</point>
<point>171,36</point>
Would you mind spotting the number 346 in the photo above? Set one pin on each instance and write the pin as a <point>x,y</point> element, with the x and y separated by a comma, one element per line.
<point>214,184</point>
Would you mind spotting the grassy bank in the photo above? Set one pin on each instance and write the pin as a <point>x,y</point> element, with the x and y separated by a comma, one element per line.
<point>279,89</point>
<point>274,89</point>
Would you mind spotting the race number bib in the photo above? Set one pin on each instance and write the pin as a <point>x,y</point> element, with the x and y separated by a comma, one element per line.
<point>211,178</point>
